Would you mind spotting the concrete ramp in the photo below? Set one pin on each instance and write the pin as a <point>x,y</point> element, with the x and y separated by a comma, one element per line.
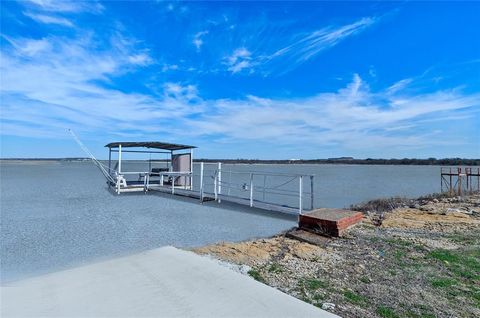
<point>165,282</point>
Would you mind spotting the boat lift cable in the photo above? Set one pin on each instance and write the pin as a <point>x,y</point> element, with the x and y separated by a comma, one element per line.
<point>103,168</point>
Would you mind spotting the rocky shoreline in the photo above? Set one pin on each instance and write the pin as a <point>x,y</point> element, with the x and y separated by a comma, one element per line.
<point>409,258</point>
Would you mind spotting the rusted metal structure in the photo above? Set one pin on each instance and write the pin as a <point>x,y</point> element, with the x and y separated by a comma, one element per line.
<point>460,180</point>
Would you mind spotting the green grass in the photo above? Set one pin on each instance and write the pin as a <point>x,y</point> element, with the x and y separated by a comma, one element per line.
<point>386,312</point>
<point>313,284</point>
<point>355,298</point>
<point>275,268</point>
<point>444,255</point>
<point>256,275</point>
<point>443,282</point>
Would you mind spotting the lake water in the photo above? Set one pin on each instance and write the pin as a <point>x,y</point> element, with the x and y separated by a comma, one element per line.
<point>57,215</point>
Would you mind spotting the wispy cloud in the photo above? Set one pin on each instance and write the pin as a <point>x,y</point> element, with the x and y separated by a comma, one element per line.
<point>48,19</point>
<point>240,59</point>
<point>197,39</point>
<point>67,6</point>
<point>310,45</point>
<point>353,117</point>
<point>303,48</point>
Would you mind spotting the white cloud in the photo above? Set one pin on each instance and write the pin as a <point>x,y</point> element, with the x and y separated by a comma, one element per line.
<point>197,39</point>
<point>140,59</point>
<point>400,85</point>
<point>53,83</point>
<point>66,6</point>
<point>47,19</point>
<point>304,47</point>
<point>353,117</point>
<point>240,59</point>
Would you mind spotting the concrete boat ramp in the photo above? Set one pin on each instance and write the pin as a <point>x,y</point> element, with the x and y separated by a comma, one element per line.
<point>164,282</point>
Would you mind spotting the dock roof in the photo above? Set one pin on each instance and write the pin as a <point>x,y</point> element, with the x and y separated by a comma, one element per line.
<point>149,144</point>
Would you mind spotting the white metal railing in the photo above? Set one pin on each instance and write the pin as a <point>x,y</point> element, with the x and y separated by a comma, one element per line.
<point>253,188</point>
<point>259,184</point>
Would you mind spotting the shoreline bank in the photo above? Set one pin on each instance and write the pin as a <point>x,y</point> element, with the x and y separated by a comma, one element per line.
<point>409,258</point>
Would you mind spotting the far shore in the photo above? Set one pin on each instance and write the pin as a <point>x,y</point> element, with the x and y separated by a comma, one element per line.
<point>330,161</point>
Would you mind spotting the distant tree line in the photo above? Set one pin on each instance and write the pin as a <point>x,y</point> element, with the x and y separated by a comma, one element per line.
<point>342,160</point>
<point>348,160</point>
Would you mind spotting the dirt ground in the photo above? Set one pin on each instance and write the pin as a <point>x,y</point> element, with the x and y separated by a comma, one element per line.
<point>421,259</point>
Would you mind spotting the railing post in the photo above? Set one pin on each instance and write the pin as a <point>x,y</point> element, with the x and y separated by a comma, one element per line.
<point>312,200</point>
<point>219,180</point>
<point>173,184</point>
<point>191,169</point>
<point>264,185</point>
<point>201,181</point>
<point>300,190</point>
<point>215,184</point>
<point>251,190</point>
<point>145,182</point>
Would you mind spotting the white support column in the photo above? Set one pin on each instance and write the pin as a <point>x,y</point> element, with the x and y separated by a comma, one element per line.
<point>300,197</point>
<point>109,161</point>
<point>119,159</point>
<point>201,181</point>
<point>219,180</point>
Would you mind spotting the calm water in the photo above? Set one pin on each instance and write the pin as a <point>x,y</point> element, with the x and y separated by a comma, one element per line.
<point>58,215</point>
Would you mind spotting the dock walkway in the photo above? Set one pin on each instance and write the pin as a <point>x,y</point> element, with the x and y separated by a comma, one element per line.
<point>164,282</point>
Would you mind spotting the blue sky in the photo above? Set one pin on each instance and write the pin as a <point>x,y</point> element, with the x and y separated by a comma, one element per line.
<point>242,80</point>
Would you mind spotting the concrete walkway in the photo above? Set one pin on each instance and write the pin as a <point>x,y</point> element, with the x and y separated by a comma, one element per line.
<point>164,282</point>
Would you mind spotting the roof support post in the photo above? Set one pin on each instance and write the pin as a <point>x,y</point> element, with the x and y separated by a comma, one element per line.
<point>119,159</point>
<point>109,161</point>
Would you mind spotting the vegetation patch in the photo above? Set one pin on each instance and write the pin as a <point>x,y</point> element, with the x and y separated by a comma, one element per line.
<point>313,284</point>
<point>443,282</point>
<point>386,312</point>
<point>275,268</point>
<point>256,275</point>
<point>355,298</point>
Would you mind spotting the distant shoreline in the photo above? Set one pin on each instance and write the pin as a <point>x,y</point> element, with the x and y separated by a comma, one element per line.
<point>348,161</point>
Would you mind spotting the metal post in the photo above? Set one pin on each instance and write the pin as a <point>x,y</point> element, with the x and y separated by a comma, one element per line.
<point>264,185</point>
<point>145,182</point>
<point>251,189</point>
<point>459,181</point>
<point>229,181</point>
<point>451,184</point>
<point>119,159</point>
<point>219,180</point>
<point>312,201</point>
<point>215,184</point>
<point>173,184</point>
<point>201,181</point>
<point>300,190</point>
<point>191,168</point>
<point>109,161</point>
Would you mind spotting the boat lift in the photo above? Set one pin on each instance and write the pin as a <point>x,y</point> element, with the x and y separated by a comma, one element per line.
<point>177,170</point>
